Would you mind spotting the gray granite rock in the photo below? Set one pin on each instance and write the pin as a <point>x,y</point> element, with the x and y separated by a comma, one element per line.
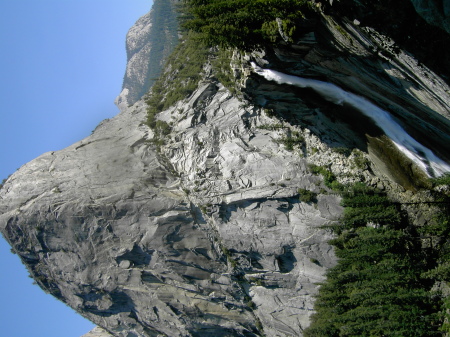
<point>106,226</point>
<point>206,235</point>
<point>97,332</point>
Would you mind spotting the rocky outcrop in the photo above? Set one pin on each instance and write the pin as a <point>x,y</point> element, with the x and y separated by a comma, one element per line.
<point>149,42</point>
<point>360,61</point>
<point>403,21</point>
<point>97,332</point>
<point>219,229</point>
<point>214,241</point>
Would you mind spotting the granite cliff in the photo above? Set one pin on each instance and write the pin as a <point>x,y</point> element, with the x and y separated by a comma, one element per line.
<point>148,44</point>
<point>201,229</point>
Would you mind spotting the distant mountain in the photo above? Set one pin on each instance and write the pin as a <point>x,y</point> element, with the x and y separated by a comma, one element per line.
<point>149,42</point>
<point>299,187</point>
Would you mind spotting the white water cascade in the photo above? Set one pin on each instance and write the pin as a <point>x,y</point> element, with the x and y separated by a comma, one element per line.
<point>419,154</point>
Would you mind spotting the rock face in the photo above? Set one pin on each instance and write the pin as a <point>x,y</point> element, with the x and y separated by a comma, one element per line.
<point>220,230</point>
<point>109,227</point>
<point>436,13</point>
<point>149,42</point>
<point>97,332</point>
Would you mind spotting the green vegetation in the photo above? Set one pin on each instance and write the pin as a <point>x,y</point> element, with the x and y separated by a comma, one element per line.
<point>3,182</point>
<point>256,281</point>
<point>376,289</point>
<point>185,69</point>
<point>369,206</point>
<point>186,65</point>
<point>315,261</point>
<point>365,200</point>
<point>360,161</point>
<point>229,256</point>
<point>271,127</point>
<point>438,232</point>
<point>342,150</point>
<point>377,214</point>
<point>292,139</point>
<point>442,180</point>
<point>329,178</point>
<point>222,69</point>
<point>269,112</point>
<point>243,24</point>
<point>382,284</point>
<point>306,195</point>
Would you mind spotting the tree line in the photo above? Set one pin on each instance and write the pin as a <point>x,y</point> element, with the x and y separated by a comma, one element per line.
<point>383,282</point>
<point>243,24</point>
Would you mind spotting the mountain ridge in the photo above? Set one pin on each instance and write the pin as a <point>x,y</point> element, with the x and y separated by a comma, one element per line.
<point>148,44</point>
<point>213,221</point>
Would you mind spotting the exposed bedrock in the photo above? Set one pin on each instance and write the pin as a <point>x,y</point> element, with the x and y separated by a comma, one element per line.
<point>106,226</point>
<point>360,61</point>
<point>97,332</point>
<point>220,229</point>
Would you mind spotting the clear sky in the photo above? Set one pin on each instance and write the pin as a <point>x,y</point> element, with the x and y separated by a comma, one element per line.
<point>61,66</point>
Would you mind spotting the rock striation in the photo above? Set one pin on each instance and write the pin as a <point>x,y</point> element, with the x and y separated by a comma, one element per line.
<point>220,230</point>
<point>119,233</point>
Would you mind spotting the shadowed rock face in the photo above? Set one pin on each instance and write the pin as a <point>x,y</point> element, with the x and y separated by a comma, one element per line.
<point>206,235</point>
<point>436,13</point>
<point>365,63</point>
<point>419,26</point>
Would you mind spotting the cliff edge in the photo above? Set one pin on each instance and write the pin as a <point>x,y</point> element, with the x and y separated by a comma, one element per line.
<point>212,222</point>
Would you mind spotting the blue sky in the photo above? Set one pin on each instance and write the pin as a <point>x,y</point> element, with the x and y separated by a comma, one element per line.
<point>61,66</point>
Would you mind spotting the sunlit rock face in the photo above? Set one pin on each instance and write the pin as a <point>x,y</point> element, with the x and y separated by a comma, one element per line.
<point>210,233</point>
<point>97,332</point>
<point>121,234</point>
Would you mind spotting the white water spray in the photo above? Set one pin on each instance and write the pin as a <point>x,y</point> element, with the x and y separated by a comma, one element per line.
<point>415,151</point>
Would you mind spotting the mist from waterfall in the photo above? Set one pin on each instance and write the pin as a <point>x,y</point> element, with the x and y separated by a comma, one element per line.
<point>419,154</point>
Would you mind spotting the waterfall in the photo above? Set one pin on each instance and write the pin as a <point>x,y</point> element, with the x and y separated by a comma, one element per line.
<point>415,151</point>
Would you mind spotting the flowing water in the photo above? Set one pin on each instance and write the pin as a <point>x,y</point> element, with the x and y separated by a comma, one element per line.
<point>415,151</point>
